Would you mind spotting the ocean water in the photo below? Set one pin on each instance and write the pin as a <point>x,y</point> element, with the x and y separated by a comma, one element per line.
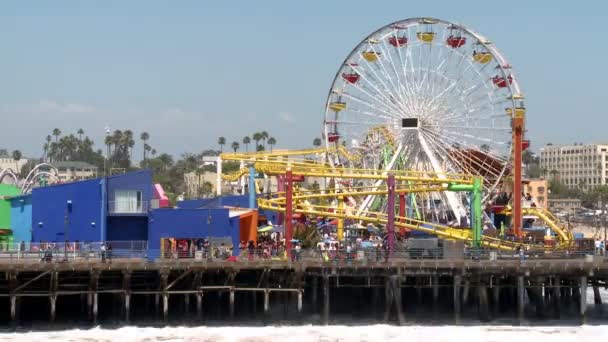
<point>308,333</point>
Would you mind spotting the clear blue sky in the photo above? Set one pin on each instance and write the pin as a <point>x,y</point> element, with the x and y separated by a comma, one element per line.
<point>190,71</point>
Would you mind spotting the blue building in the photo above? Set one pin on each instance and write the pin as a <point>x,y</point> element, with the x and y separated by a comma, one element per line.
<point>105,209</point>
<point>191,224</point>
<point>21,218</point>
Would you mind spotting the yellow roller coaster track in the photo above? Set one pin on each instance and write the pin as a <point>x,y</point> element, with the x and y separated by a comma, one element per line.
<point>407,182</point>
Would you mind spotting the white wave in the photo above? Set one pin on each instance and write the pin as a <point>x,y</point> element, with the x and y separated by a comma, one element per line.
<point>311,333</point>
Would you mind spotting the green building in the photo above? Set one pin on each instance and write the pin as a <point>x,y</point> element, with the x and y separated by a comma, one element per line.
<point>6,234</point>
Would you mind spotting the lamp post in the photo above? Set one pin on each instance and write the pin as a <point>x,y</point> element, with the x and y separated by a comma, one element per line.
<point>66,222</point>
<point>105,160</point>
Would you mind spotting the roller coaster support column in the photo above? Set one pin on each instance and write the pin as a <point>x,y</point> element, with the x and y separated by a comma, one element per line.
<point>477,215</point>
<point>518,131</point>
<point>402,210</point>
<point>341,220</point>
<point>251,187</point>
<point>390,207</point>
<point>288,210</point>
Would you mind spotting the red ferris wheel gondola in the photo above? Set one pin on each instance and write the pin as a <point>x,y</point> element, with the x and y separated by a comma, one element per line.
<point>397,41</point>
<point>456,41</point>
<point>501,82</point>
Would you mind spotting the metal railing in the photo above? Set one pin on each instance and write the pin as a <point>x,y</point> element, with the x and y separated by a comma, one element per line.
<point>73,251</point>
<point>128,207</point>
<point>51,252</point>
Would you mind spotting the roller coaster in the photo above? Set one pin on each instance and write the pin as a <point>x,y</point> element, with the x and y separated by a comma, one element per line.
<point>295,164</point>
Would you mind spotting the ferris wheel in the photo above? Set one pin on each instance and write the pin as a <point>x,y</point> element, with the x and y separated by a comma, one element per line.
<point>429,95</point>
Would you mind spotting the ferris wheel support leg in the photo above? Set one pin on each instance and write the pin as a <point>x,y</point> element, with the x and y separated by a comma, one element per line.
<point>251,187</point>
<point>341,220</point>
<point>390,207</point>
<point>288,211</point>
<point>518,128</point>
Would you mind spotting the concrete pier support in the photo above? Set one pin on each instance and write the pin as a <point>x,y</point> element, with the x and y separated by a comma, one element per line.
<point>266,302</point>
<point>300,301</point>
<point>95,303</point>
<point>583,298</point>
<point>14,310</point>
<point>199,305</point>
<point>53,299</point>
<point>396,287</point>
<point>315,298</point>
<point>326,299</point>
<point>165,307</point>
<point>435,285</point>
<point>465,291</point>
<point>556,297</point>
<point>520,298</point>
<point>187,303</point>
<point>388,297</point>
<point>231,298</point>
<point>127,307</point>
<point>597,298</point>
<point>456,287</point>
<point>496,297</point>
<point>483,306</point>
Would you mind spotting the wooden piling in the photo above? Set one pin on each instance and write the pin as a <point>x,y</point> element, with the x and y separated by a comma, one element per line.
<point>456,288</point>
<point>326,299</point>
<point>520,299</point>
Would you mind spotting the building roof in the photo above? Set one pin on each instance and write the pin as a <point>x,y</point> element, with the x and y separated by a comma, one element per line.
<point>74,164</point>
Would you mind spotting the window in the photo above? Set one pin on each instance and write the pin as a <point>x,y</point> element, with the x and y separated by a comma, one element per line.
<point>128,201</point>
<point>541,190</point>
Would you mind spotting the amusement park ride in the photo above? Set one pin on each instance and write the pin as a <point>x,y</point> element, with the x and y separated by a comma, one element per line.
<point>423,114</point>
<point>39,173</point>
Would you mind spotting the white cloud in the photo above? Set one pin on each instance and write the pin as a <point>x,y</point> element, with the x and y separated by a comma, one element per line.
<point>287,117</point>
<point>47,106</point>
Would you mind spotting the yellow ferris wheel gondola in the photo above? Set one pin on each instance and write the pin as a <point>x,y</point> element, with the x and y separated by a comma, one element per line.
<point>426,37</point>
<point>482,57</point>
<point>370,56</point>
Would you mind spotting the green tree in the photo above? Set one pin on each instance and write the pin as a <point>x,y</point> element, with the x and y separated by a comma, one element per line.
<point>144,136</point>
<point>221,141</point>
<point>246,142</point>
<point>235,146</point>
<point>264,137</point>
<point>271,141</point>
<point>257,137</point>
<point>316,142</point>
<point>56,133</point>
<point>80,133</point>
<point>17,157</point>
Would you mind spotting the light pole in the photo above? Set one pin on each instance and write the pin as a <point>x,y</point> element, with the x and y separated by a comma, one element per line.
<point>105,160</point>
<point>68,209</point>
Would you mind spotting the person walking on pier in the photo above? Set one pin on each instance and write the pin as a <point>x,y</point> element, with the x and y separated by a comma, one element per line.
<point>103,252</point>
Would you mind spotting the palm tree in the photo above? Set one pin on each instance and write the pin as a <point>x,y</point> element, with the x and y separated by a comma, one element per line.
<point>257,137</point>
<point>16,157</point>
<point>485,148</point>
<point>153,152</point>
<point>144,137</point>
<point>271,141</point>
<point>235,146</point>
<point>246,142</point>
<point>317,142</point>
<point>56,133</point>
<point>221,141</point>
<point>264,137</point>
<point>80,132</point>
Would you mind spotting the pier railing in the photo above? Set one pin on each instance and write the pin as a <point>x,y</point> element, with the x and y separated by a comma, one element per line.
<point>101,252</point>
<point>72,251</point>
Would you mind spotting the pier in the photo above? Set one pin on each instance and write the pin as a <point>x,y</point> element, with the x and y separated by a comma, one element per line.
<point>395,291</point>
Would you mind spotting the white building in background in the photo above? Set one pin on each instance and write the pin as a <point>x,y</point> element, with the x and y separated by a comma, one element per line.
<point>7,162</point>
<point>576,165</point>
<point>70,171</point>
